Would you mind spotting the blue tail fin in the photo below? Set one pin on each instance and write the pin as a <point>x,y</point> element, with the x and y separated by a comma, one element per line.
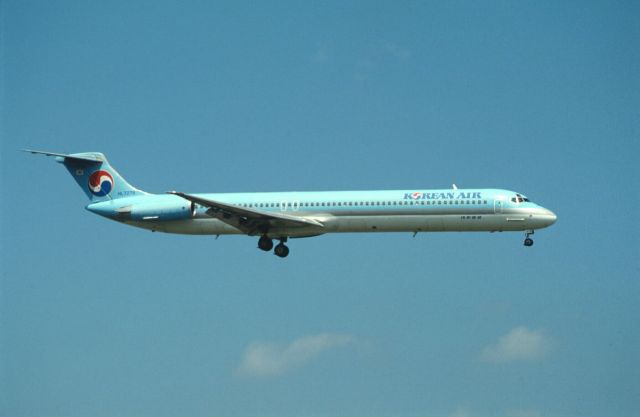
<point>94,175</point>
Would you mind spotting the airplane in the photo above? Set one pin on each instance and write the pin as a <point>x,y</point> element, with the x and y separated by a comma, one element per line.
<point>282,215</point>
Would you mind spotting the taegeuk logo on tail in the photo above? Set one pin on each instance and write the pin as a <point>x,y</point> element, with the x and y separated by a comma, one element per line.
<point>100,183</point>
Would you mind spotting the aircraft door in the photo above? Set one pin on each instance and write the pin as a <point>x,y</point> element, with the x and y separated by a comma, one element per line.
<point>497,206</point>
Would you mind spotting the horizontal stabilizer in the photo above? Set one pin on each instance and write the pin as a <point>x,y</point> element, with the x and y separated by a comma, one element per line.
<point>91,157</point>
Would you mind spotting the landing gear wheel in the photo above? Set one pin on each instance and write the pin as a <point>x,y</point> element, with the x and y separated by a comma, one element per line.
<point>527,239</point>
<point>265,243</point>
<point>281,250</point>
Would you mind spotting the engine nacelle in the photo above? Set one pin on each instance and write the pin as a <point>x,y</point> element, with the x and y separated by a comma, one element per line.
<point>174,210</point>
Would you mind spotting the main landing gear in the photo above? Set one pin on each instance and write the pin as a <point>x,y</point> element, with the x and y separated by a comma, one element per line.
<point>281,250</point>
<point>266,244</point>
<point>527,240</point>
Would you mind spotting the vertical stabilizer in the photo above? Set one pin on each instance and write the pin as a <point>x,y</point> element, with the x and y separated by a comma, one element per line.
<point>95,176</point>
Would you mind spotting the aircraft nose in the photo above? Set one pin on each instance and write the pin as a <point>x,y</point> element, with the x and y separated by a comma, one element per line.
<point>550,217</point>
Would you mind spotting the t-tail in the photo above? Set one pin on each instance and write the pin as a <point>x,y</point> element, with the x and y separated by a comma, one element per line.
<point>92,172</point>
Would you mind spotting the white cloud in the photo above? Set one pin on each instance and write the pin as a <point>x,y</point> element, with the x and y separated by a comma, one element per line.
<point>270,359</point>
<point>461,412</point>
<point>519,344</point>
<point>379,56</point>
<point>322,52</point>
<point>523,413</point>
<point>396,51</point>
<point>517,412</point>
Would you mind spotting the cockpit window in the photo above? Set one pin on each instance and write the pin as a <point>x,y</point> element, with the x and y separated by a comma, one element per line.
<point>519,199</point>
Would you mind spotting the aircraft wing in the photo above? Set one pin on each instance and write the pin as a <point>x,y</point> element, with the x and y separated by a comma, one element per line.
<point>250,221</point>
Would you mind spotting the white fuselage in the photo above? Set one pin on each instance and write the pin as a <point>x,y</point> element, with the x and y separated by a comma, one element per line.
<point>344,212</point>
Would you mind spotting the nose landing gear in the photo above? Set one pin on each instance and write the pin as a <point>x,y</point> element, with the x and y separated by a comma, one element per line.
<point>527,240</point>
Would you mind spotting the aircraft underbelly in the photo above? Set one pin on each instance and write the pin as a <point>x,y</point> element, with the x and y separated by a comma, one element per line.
<point>191,227</point>
<point>350,224</point>
<point>355,224</point>
<point>424,223</point>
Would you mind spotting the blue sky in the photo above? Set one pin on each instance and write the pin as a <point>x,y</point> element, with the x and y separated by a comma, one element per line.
<point>105,320</point>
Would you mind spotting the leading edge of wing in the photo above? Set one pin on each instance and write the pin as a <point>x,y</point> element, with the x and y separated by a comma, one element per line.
<point>232,210</point>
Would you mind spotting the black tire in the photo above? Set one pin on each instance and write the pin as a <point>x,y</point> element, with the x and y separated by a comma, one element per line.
<point>528,242</point>
<point>281,250</point>
<point>265,243</point>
